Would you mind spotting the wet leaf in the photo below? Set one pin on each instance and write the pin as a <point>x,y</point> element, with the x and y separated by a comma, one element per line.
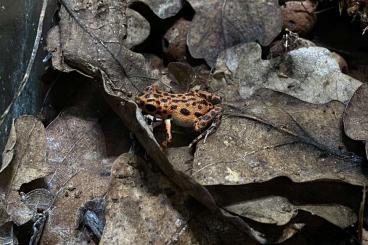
<point>163,8</point>
<point>28,164</point>
<point>356,116</point>
<point>218,25</point>
<point>310,74</point>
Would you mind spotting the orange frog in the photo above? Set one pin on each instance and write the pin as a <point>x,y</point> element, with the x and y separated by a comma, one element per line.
<point>195,109</point>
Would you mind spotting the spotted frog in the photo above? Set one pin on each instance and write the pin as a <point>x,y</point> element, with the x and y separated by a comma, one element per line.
<point>196,109</point>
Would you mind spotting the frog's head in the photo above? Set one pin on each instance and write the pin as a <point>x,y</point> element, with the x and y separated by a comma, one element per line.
<point>148,101</point>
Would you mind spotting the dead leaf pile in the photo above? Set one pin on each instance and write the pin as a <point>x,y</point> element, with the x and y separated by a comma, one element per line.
<point>285,164</point>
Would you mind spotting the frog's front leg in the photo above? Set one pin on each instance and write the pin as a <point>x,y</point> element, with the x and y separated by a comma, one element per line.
<point>212,116</point>
<point>168,139</point>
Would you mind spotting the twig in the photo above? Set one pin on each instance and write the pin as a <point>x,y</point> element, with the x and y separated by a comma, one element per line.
<point>24,81</point>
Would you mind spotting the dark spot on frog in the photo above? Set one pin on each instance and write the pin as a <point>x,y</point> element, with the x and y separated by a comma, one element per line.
<point>172,95</point>
<point>150,108</point>
<point>164,100</point>
<point>204,102</point>
<point>173,107</point>
<point>198,114</point>
<point>185,111</point>
<point>175,101</point>
<point>147,96</point>
<point>213,113</point>
<point>194,103</point>
<point>187,104</point>
<point>150,100</point>
<point>156,96</point>
<point>200,107</point>
<point>166,94</point>
<point>158,102</point>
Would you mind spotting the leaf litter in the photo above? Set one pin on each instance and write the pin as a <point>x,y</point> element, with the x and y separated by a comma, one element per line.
<point>279,164</point>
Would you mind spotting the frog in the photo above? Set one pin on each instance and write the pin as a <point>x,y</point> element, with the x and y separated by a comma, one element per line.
<point>197,109</point>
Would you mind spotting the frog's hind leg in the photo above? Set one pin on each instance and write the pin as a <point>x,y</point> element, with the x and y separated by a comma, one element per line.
<point>200,124</point>
<point>212,116</point>
<point>214,99</point>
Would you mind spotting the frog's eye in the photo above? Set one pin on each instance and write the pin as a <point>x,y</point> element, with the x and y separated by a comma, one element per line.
<point>150,108</point>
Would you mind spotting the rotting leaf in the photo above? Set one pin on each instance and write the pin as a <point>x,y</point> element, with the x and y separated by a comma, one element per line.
<point>163,8</point>
<point>272,135</point>
<point>148,204</point>
<point>220,24</point>
<point>356,116</point>
<point>29,163</point>
<point>144,212</point>
<point>95,37</point>
<point>259,137</point>
<point>76,149</point>
<point>311,74</point>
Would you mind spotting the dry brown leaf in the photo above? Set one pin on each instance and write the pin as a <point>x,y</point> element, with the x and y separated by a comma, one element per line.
<point>220,24</point>
<point>135,213</point>
<point>310,73</point>
<point>76,149</point>
<point>81,50</point>
<point>272,136</point>
<point>144,207</point>
<point>28,164</point>
<point>95,36</point>
<point>356,116</point>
